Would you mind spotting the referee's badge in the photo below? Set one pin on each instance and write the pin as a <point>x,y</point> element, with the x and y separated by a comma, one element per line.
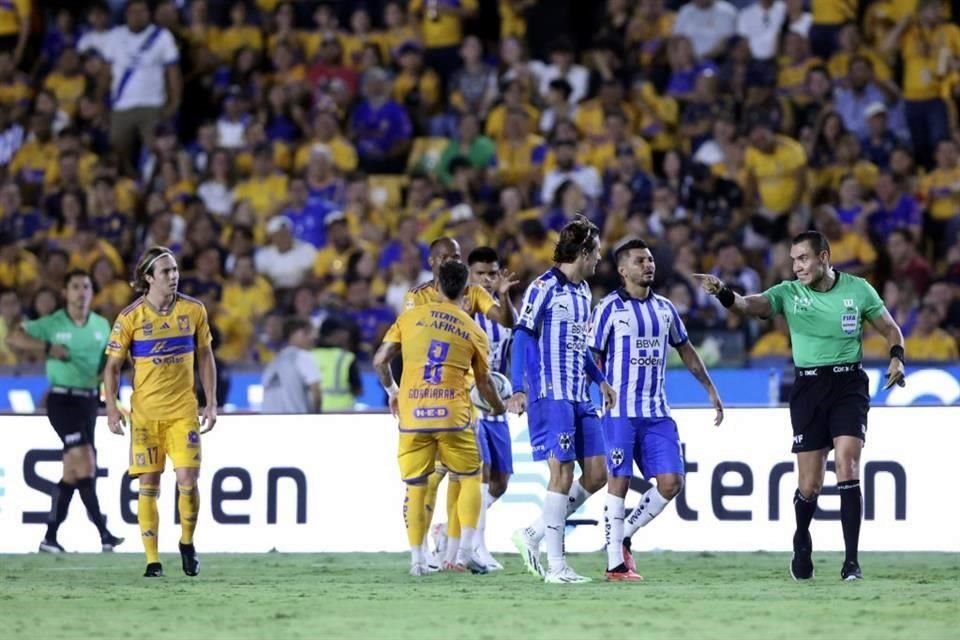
<point>850,319</point>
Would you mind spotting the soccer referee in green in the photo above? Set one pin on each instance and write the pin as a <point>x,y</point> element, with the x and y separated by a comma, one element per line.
<point>73,339</point>
<point>825,310</point>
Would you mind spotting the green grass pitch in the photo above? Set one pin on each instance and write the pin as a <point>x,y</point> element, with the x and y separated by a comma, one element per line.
<point>686,595</point>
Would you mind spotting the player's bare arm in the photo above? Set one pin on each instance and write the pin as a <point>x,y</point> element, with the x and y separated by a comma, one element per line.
<point>489,393</point>
<point>755,306</point>
<point>381,364</point>
<point>208,380</point>
<point>694,364</point>
<point>888,328</point>
<point>111,385</point>
<point>504,313</point>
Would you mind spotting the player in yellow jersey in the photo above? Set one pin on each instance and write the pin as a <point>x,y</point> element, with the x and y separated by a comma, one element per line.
<point>476,301</point>
<point>440,344</point>
<point>162,332</point>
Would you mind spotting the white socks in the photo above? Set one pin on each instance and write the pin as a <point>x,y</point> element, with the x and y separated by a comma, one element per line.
<point>554,519</point>
<point>575,499</point>
<point>453,547</point>
<point>416,556</point>
<point>650,506</point>
<point>613,527</point>
<point>465,552</point>
<point>487,501</point>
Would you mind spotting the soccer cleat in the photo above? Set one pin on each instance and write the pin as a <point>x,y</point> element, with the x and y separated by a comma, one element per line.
<point>529,551</point>
<point>419,570</point>
<point>623,573</point>
<point>154,570</point>
<point>484,558</point>
<point>851,571</point>
<point>801,565</point>
<point>51,546</point>
<point>565,575</point>
<point>439,534</point>
<point>471,565</point>
<point>110,542</point>
<point>432,562</point>
<point>189,559</point>
<point>628,555</point>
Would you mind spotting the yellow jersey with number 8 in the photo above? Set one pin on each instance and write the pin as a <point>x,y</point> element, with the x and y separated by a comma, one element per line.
<point>439,344</point>
<point>162,347</point>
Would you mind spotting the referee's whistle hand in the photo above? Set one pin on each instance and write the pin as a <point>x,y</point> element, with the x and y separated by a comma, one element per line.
<point>59,352</point>
<point>895,374</point>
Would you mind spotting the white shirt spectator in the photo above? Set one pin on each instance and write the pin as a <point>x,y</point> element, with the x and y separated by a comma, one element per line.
<point>577,76</point>
<point>760,24</point>
<point>288,269</point>
<point>585,177</point>
<point>138,62</point>
<point>95,41</point>
<point>217,197</point>
<point>707,23</point>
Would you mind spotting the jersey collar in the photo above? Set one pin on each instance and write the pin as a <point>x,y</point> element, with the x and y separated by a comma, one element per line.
<point>562,277</point>
<point>626,297</point>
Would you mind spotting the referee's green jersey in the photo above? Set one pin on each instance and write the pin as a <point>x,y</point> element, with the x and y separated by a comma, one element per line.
<point>826,327</point>
<point>86,344</point>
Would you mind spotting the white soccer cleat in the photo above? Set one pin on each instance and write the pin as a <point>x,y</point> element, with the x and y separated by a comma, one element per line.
<point>529,550</point>
<point>565,575</point>
<point>419,569</point>
<point>483,557</point>
<point>438,533</point>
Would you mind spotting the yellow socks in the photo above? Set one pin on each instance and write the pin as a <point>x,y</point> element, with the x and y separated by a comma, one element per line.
<point>453,515</point>
<point>468,504</point>
<point>189,506</point>
<point>430,498</point>
<point>149,519</point>
<point>413,514</point>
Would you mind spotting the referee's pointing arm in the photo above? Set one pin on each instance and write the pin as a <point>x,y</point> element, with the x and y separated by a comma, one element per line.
<point>752,306</point>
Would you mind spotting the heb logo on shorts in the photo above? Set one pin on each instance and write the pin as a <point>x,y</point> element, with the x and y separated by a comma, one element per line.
<point>429,413</point>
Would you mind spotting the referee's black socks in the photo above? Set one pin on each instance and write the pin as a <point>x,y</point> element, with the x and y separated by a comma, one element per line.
<point>58,511</point>
<point>804,508</point>
<point>851,509</point>
<point>88,493</point>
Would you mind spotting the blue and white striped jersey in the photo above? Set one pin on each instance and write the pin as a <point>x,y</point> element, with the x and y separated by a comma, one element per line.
<point>500,340</point>
<point>632,337</point>
<point>499,337</point>
<point>556,313</point>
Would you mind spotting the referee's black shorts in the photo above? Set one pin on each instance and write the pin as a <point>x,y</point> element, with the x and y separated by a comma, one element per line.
<point>73,414</point>
<point>827,402</point>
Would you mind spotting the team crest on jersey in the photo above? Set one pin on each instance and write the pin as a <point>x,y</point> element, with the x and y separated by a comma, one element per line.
<point>183,324</point>
<point>148,328</point>
<point>141,460</point>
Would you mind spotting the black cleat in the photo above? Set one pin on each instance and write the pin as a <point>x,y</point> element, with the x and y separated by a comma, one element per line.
<point>154,570</point>
<point>851,571</point>
<point>191,563</point>
<point>801,565</point>
<point>110,542</point>
<point>51,546</point>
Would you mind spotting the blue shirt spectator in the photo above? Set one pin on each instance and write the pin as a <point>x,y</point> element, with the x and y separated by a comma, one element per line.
<point>380,125</point>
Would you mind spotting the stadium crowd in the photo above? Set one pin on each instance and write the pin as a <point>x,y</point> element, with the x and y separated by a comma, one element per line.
<point>299,157</point>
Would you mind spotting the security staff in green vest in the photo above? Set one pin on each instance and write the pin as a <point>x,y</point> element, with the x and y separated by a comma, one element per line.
<point>73,339</point>
<point>339,373</point>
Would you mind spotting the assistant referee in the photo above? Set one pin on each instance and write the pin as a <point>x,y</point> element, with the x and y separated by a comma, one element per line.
<point>825,310</point>
<point>73,339</point>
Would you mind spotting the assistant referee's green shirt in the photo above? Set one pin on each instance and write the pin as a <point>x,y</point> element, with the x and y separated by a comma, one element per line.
<point>826,327</point>
<point>86,344</point>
